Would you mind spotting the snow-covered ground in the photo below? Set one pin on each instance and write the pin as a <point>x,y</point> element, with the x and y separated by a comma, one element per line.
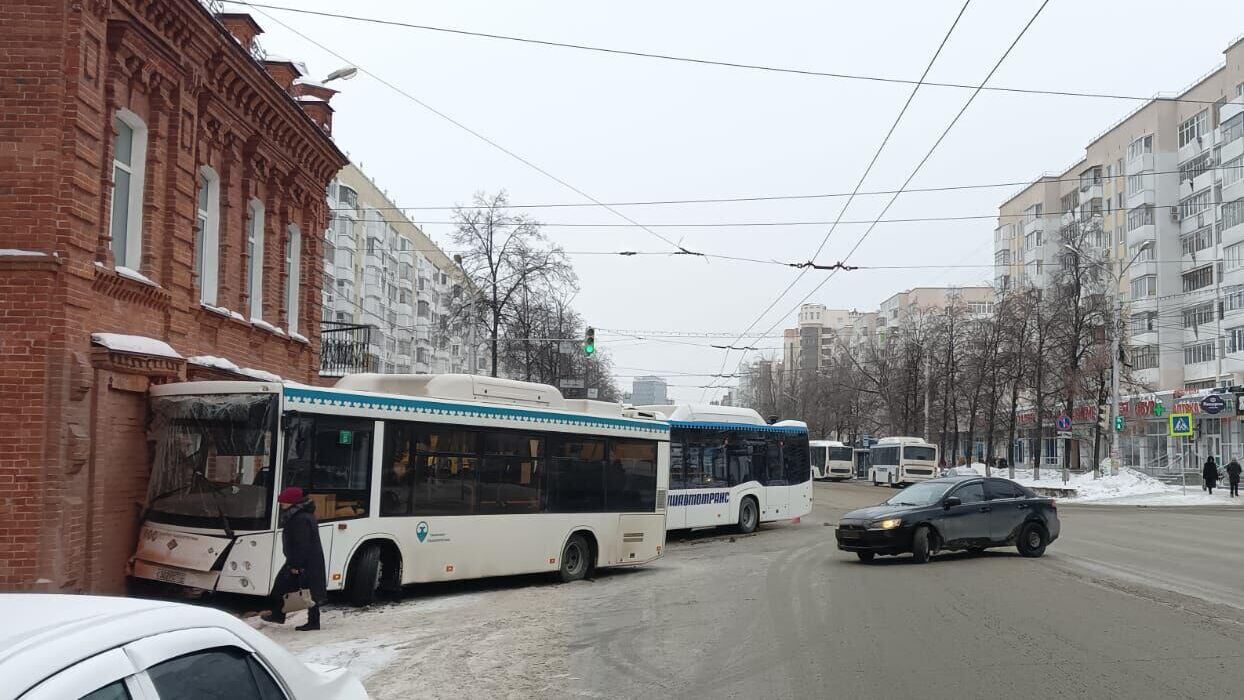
<point>1129,487</point>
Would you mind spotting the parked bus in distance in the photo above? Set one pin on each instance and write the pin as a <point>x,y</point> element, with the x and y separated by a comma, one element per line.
<point>729,467</point>
<point>862,464</point>
<point>898,461</point>
<point>831,460</point>
<point>414,478</point>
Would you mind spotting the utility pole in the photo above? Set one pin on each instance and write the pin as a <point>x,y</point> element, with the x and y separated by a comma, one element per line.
<point>1115,454</point>
<point>928,390</point>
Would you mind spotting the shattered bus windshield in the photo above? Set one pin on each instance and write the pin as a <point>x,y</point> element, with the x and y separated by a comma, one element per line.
<point>213,460</point>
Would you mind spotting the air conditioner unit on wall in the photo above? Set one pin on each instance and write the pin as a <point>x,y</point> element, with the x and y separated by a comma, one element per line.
<point>1174,213</point>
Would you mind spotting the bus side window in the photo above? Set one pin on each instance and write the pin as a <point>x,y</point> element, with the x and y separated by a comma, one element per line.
<point>759,448</point>
<point>773,461</point>
<point>330,459</point>
<point>397,476</point>
<point>677,454</point>
<point>576,479</point>
<point>739,454</point>
<point>510,476</point>
<point>633,464</point>
<point>795,459</point>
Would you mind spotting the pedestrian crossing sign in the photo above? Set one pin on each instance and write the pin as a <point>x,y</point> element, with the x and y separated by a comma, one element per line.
<point>1181,425</point>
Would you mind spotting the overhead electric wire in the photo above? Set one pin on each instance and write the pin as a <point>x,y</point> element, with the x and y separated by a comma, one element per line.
<point>475,133</point>
<point>783,197</point>
<point>922,162</point>
<point>858,184</point>
<point>713,62</point>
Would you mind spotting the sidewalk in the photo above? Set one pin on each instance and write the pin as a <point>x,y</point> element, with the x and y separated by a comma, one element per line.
<point>1128,488</point>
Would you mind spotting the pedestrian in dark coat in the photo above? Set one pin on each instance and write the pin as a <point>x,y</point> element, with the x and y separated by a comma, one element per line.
<point>1233,477</point>
<point>1210,473</point>
<point>304,557</point>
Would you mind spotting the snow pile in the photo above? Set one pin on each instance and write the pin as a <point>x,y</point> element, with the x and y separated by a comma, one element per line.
<point>1128,483</point>
<point>135,344</point>
<point>215,362</point>
<point>299,337</point>
<point>215,309</point>
<point>259,374</point>
<point>362,656</point>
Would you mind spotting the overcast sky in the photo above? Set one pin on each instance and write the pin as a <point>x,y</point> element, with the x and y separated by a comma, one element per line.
<point>625,129</point>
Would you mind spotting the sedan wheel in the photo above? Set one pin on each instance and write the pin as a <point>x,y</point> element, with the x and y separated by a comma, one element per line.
<point>920,547</point>
<point>1031,540</point>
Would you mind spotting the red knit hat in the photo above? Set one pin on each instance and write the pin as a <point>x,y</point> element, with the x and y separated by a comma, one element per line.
<point>290,495</point>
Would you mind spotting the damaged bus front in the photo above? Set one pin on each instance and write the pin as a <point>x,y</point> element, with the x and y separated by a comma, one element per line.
<point>209,520</point>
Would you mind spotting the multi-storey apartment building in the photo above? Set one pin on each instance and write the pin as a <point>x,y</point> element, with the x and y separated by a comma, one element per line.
<point>1159,198</point>
<point>383,273</point>
<point>649,391</point>
<point>977,301</point>
<point>822,332</point>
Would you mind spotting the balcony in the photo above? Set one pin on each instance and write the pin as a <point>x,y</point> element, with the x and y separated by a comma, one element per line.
<point>1140,164</point>
<point>1032,225</point>
<point>1148,232</point>
<point>344,349</point>
<point>1232,150</point>
<point>1090,191</point>
<point>1140,269</point>
<point>1145,196</point>
<point>1195,147</point>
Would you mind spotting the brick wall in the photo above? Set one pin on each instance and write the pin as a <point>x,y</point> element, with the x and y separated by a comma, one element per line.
<point>73,454</point>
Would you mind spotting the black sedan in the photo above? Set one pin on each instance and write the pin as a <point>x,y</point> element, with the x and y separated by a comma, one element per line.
<point>959,512</point>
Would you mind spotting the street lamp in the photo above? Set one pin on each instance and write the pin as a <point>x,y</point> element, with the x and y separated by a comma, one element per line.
<point>1117,315</point>
<point>341,74</point>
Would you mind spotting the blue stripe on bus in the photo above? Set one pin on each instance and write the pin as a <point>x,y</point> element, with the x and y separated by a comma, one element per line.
<point>319,397</point>
<point>706,425</point>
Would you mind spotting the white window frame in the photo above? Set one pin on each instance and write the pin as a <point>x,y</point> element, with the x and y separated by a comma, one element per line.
<point>1193,127</point>
<point>1138,148</point>
<point>207,235</point>
<point>293,271</point>
<point>132,256</point>
<point>254,257</point>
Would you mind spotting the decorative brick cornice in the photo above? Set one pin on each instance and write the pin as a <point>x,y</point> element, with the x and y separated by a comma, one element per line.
<point>134,363</point>
<point>110,283</point>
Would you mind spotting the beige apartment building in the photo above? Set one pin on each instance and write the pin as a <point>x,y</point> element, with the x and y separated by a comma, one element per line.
<point>392,297</point>
<point>1158,198</point>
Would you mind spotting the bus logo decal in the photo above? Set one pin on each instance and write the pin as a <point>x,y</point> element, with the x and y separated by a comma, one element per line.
<point>421,530</point>
<point>697,499</point>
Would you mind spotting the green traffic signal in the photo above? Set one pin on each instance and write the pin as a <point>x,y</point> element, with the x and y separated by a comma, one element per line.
<point>1118,423</point>
<point>589,341</point>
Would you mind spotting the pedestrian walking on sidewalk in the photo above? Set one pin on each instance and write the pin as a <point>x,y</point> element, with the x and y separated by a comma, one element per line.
<point>1233,477</point>
<point>1210,473</point>
<point>304,558</point>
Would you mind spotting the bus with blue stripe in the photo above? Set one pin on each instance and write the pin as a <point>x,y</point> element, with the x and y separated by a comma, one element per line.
<point>413,478</point>
<point>728,467</point>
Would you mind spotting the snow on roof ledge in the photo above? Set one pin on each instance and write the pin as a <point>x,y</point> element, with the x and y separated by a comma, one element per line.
<point>213,362</point>
<point>137,344</point>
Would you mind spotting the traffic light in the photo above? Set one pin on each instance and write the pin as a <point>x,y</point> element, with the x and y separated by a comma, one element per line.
<point>1103,417</point>
<point>1118,423</point>
<point>589,341</point>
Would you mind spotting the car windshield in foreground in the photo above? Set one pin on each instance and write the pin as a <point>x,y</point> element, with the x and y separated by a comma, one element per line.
<point>922,494</point>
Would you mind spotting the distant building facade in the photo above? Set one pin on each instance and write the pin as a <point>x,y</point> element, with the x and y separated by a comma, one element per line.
<point>649,391</point>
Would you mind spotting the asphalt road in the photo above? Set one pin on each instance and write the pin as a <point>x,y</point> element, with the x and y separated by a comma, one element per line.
<point>1107,613</point>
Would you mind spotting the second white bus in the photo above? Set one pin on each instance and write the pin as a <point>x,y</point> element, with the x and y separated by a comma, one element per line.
<point>832,460</point>
<point>729,467</point>
<point>898,461</point>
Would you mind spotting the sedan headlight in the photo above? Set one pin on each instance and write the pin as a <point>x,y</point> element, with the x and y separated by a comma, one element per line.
<point>888,524</point>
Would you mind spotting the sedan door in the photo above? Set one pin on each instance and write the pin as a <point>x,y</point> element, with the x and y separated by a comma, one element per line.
<point>967,524</point>
<point>1010,509</point>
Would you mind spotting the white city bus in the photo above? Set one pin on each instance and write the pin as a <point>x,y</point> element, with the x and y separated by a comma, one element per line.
<point>831,460</point>
<point>729,467</point>
<point>898,461</point>
<point>415,478</point>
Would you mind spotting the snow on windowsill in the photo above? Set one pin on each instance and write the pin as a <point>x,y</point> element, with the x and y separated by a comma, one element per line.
<point>260,323</point>
<point>135,344</point>
<point>299,337</point>
<point>15,253</point>
<point>134,275</point>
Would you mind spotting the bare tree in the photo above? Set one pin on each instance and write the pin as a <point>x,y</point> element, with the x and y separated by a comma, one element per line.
<point>505,254</point>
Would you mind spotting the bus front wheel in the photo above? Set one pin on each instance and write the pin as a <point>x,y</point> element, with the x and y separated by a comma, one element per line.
<point>364,580</point>
<point>576,559</point>
<point>749,515</point>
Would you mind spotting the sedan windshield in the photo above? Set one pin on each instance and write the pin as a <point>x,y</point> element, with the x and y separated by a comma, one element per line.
<point>922,494</point>
<point>213,460</point>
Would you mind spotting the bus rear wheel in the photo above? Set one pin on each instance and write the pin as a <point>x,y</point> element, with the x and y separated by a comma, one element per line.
<point>576,559</point>
<point>749,515</point>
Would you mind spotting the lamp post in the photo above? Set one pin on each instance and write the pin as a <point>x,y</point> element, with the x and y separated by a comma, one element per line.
<point>1116,317</point>
<point>344,73</point>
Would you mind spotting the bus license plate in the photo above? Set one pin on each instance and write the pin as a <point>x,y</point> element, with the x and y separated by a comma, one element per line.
<point>170,575</point>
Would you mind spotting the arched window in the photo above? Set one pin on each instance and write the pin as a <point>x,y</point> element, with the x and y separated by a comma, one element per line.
<point>207,234</point>
<point>129,158</point>
<point>254,258</point>
<point>293,250</point>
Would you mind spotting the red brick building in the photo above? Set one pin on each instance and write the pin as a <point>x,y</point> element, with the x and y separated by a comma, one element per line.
<point>156,180</point>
